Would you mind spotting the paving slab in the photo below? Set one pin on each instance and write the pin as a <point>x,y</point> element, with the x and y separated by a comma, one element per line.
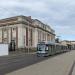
<point>57,65</point>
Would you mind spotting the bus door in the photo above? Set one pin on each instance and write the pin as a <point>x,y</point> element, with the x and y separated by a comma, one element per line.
<point>49,49</point>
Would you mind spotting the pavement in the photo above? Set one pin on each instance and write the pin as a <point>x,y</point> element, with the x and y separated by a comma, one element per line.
<point>62,64</point>
<point>73,69</point>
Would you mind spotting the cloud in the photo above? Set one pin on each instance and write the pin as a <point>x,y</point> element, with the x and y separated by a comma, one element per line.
<point>59,14</point>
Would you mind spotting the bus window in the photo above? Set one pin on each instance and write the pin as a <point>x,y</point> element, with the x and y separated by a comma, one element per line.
<point>46,48</point>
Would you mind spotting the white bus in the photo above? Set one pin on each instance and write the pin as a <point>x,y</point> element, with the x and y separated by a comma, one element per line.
<point>46,49</point>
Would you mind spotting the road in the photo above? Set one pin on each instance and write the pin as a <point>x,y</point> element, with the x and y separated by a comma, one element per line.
<point>62,64</point>
<point>9,64</point>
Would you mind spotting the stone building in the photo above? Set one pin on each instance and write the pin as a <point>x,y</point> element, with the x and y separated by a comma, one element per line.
<point>25,31</point>
<point>43,31</point>
<point>69,44</point>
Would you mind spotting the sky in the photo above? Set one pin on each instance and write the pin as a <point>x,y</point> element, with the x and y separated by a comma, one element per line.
<point>59,14</point>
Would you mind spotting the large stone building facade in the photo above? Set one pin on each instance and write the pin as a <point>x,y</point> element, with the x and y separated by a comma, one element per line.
<point>25,31</point>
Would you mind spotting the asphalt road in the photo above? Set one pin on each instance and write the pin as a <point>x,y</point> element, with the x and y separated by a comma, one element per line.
<point>63,64</point>
<point>12,63</point>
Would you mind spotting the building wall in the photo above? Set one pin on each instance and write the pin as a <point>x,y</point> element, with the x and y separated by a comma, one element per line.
<point>45,32</point>
<point>20,36</point>
<point>8,33</point>
<point>24,34</point>
<point>0,35</point>
<point>18,33</point>
<point>41,35</point>
<point>35,37</point>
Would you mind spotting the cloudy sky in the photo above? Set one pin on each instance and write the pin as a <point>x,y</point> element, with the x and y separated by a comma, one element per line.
<point>59,14</point>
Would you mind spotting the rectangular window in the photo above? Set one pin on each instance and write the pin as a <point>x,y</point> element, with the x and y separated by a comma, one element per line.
<point>4,35</point>
<point>31,37</point>
<point>26,36</point>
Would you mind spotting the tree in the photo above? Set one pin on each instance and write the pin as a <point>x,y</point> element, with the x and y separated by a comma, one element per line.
<point>57,40</point>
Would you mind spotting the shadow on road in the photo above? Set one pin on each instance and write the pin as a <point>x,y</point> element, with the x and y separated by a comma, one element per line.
<point>72,68</point>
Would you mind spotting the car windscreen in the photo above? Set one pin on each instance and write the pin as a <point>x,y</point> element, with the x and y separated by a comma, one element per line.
<point>41,47</point>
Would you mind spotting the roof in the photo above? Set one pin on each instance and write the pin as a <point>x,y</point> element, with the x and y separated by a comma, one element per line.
<point>14,20</point>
